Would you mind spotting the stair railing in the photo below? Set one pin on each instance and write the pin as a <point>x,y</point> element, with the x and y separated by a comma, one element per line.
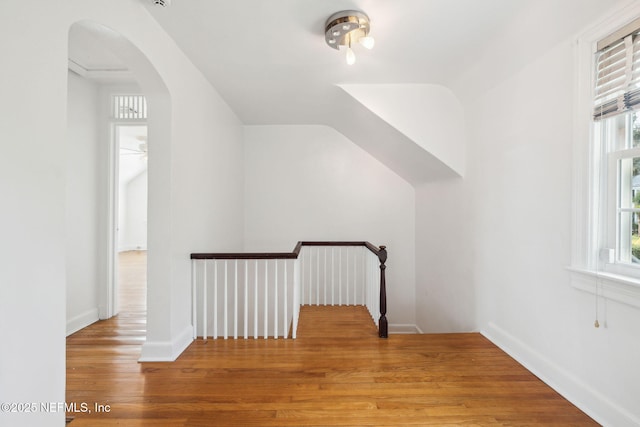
<point>260,294</point>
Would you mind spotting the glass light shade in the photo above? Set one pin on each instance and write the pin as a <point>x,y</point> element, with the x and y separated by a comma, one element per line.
<point>351,57</point>
<point>367,42</point>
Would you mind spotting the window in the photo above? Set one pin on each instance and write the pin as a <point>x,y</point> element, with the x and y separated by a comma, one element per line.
<point>620,138</point>
<point>129,107</point>
<point>617,94</point>
<point>606,238</point>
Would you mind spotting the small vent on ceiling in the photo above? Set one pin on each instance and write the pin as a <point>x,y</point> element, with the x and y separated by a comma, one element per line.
<point>129,107</point>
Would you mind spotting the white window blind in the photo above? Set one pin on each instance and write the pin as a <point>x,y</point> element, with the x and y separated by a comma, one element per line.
<point>618,73</point>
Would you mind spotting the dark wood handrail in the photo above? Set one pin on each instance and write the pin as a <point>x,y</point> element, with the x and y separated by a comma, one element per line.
<point>246,255</point>
<point>380,252</point>
<point>283,255</point>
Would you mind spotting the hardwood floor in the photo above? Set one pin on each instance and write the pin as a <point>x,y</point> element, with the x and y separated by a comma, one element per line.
<point>132,277</point>
<point>338,372</point>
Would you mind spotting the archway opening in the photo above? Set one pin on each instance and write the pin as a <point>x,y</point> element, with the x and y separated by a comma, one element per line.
<point>103,67</point>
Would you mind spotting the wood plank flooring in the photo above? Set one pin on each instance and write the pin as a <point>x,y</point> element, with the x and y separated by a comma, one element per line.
<point>132,278</point>
<point>338,372</point>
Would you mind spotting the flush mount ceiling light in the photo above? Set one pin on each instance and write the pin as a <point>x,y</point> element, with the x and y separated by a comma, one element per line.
<point>347,28</point>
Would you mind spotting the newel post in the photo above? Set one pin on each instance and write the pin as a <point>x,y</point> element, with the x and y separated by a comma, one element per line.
<point>382,323</point>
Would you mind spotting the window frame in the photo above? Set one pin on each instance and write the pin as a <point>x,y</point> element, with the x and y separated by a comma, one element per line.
<point>589,269</point>
<point>614,207</point>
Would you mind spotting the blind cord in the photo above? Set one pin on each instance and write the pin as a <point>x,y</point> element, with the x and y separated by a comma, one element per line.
<point>596,323</point>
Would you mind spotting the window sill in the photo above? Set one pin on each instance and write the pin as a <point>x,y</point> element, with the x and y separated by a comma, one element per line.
<point>611,286</point>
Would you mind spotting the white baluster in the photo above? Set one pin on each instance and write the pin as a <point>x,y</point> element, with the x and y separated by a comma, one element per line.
<point>204,302</point>
<point>300,258</point>
<point>309,299</point>
<point>235,300</point>
<point>275,301</point>
<point>355,276</point>
<point>194,299</point>
<point>266,298</point>
<point>310,294</point>
<point>375,285</point>
<point>226,301</point>
<point>306,280</point>
<point>366,279</point>
<point>317,275</point>
<point>369,280</point>
<point>347,265</point>
<point>255,302</point>
<point>246,299</point>
<point>324,273</point>
<point>296,297</point>
<point>363,257</point>
<point>340,275</point>
<point>285,322</point>
<point>372,280</point>
<point>215,299</point>
<point>333,284</point>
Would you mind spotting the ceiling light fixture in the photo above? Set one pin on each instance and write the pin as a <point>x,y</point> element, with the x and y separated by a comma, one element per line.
<point>345,28</point>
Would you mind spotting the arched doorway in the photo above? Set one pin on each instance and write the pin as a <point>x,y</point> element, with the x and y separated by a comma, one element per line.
<point>125,70</point>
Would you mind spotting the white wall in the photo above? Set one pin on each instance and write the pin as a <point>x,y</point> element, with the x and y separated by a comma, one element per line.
<point>312,183</point>
<point>137,212</point>
<point>503,234</point>
<point>133,213</point>
<point>81,203</point>
<point>445,251</point>
<point>523,225</point>
<point>32,179</point>
<point>202,149</point>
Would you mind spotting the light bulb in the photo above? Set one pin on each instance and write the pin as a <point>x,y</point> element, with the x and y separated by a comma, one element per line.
<point>351,57</point>
<point>367,42</point>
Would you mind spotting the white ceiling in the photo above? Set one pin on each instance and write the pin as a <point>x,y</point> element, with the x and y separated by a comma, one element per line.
<point>269,60</point>
<point>90,56</point>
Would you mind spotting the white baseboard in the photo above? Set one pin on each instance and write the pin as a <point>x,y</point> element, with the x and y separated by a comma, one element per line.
<point>572,388</point>
<point>400,328</point>
<point>82,321</point>
<point>166,351</point>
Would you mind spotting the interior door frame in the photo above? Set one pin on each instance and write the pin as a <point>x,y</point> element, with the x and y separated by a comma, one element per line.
<point>110,301</point>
